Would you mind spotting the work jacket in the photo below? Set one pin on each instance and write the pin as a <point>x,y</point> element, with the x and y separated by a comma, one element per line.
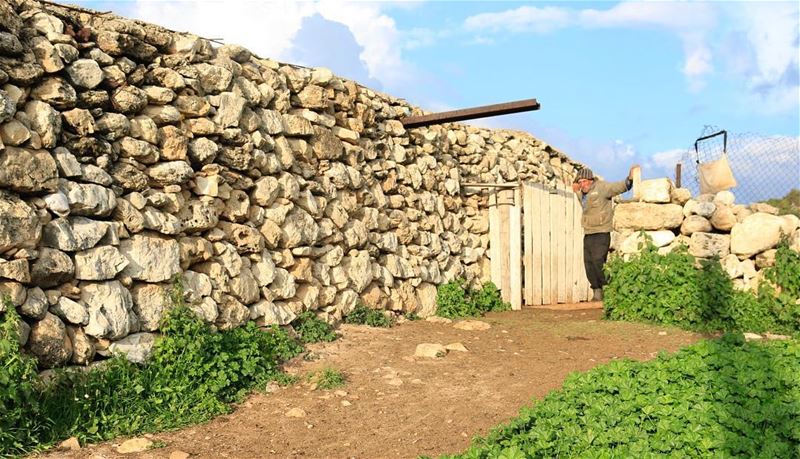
<point>598,212</point>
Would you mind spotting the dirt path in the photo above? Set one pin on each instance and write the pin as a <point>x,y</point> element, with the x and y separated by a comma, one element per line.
<point>396,405</point>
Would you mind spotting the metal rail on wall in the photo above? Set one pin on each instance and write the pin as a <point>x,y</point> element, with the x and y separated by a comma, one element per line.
<point>507,108</point>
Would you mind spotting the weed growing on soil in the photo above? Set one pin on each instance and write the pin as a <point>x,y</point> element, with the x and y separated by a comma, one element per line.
<point>329,378</point>
<point>312,329</point>
<point>412,316</point>
<point>20,410</point>
<point>719,398</point>
<point>455,299</point>
<point>670,289</point>
<point>194,374</point>
<point>363,315</point>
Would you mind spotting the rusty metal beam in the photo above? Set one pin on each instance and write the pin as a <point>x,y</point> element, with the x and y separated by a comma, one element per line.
<point>471,113</point>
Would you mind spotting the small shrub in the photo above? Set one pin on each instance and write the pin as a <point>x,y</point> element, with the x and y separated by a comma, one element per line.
<point>412,316</point>
<point>330,378</point>
<point>454,299</point>
<point>312,329</point>
<point>671,289</point>
<point>21,421</point>
<point>718,398</point>
<point>362,315</point>
<point>194,374</point>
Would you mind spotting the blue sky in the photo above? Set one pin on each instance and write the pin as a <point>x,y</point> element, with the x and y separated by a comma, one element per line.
<point>619,82</point>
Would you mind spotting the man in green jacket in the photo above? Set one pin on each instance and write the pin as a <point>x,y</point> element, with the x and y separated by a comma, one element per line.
<point>597,222</point>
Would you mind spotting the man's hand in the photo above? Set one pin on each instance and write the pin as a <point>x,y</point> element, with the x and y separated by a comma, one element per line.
<point>575,187</point>
<point>630,173</point>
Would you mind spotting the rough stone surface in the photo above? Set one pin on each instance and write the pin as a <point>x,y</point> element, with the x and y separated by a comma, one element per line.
<point>430,350</point>
<point>646,216</point>
<point>110,309</point>
<point>49,343</point>
<point>27,171</point>
<point>654,191</point>
<point>99,263</point>
<point>706,245</point>
<point>756,233</point>
<point>137,347</point>
<point>152,258</point>
<point>53,267</point>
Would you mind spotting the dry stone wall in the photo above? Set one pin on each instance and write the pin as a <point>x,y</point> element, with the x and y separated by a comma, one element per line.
<point>131,154</point>
<point>710,225</point>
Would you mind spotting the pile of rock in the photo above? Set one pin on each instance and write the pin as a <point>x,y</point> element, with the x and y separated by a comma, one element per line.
<point>130,155</point>
<point>711,225</point>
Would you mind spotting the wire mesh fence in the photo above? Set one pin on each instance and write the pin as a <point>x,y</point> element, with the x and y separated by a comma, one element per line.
<point>764,167</point>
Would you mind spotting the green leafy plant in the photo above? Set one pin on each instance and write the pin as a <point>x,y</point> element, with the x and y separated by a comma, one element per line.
<point>312,329</point>
<point>21,421</point>
<point>672,289</point>
<point>329,378</point>
<point>193,374</point>
<point>412,316</point>
<point>455,299</point>
<point>362,315</point>
<point>789,204</point>
<point>717,398</point>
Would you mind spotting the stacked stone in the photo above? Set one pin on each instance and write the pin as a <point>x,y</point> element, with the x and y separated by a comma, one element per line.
<point>711,225</point>
<point>131,155</point>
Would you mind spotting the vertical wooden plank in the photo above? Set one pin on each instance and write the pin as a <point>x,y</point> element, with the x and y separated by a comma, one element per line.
<point>504,198</point>
<point>577,244</point>
<point>569,242</point>
<point>547,261</point>
<point>554,222</point>
<point>527,257</point>
<point>494,240</point>
<point>515,250</point>
<point>561,260</point>
<point>535,221</point>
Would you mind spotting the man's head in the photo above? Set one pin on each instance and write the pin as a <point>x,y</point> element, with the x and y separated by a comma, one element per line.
<point>584,179</point>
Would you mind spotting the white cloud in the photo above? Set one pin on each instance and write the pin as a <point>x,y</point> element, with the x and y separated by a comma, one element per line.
<point>764,49</point>
<point>670,15</point>
<point>266,28</point>
<point>269,28</point>
<point>522,19</point>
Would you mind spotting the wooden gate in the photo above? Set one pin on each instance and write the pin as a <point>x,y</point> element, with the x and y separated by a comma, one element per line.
<point>536,245</point>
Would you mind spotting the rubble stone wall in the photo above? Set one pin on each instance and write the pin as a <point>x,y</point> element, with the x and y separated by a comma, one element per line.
<point>130,154</point>
<point>743,237</point>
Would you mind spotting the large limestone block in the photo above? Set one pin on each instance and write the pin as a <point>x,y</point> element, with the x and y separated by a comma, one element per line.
<point>137,347</point>
<point>755,234</point>
<point>49,343</point>
<point>654,191</point>
<point>267,313</point>
<point>232,313</point>
<point>73,233</point>
<point>99,263</point>
<point>723,218</point>
<point>426,294</point>
<point>152,258</point>
<point>19,225</point>
<point>83,348</point>
<point>635,242</point>
<point>88,199</point>
<point>359,270</point>
<point>27,171</point>
<point>647,216</point>
<point>53,267</point>
<point>150,303</point>
<point>70,311</point>
<point>110,308</point>
<point>707,245</point>
<point>790,224</point>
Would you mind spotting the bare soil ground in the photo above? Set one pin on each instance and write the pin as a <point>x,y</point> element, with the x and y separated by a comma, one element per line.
<point>397,405</point>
